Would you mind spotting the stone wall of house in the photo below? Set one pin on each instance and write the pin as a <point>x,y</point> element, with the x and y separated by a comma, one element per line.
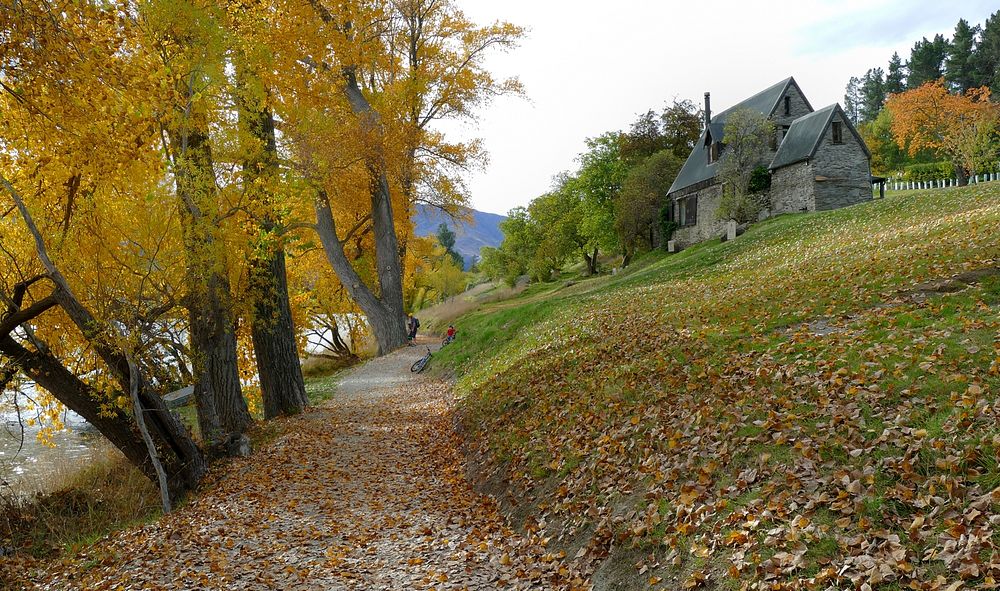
<point>846,168</point>
<point>792,189</point>
<point>708,226</point>
<point>799,107</point>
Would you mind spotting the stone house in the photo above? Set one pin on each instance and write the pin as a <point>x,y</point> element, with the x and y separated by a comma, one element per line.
<point>817,161</point>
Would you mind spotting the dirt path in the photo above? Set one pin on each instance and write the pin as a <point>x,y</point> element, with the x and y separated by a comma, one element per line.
<point>365,492</point>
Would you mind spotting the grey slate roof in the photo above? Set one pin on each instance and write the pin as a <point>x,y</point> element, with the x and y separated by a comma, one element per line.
<point>697,169</point>
<point>806,133</point>
<point>803,137</point>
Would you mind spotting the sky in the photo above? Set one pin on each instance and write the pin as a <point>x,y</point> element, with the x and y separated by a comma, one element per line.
<point>590,67</point>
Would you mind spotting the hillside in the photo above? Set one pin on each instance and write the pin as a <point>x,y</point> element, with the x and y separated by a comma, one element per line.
<point>811,406</point>
<point>484,230</point>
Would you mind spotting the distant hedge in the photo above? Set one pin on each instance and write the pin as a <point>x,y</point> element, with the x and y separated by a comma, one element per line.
<point>932,171</point>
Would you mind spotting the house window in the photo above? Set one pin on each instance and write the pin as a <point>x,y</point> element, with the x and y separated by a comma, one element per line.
<point>687,211</point>
<point>838,132</point>
<point>788,105</point>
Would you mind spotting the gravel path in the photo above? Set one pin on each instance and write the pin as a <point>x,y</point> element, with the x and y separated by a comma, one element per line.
<point>367,492</point>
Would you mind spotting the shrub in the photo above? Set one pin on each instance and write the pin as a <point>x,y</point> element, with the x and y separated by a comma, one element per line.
<point>760,180</point>
<point>933,171</point>
<point>667,225</point>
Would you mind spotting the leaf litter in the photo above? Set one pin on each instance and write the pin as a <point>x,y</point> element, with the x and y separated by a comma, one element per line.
<point>366,492</point>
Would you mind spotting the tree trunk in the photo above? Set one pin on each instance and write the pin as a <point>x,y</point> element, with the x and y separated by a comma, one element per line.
<point>390,276</point>
<point>222,410</point>
<point>281,383</point>
<point>183,462</point>
<point>591,261</point>
<point>188,464</point>
<point>282,386</point>
<point>963,176</point>
<point>389,328</point>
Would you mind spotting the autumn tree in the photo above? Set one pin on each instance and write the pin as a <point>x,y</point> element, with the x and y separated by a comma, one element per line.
<point>747,136</point>
<point>960,127</point>
<point>273,333</point>
<point>89,273</point>
<point>191,43</point>
<point>438,73</point>
<point>887,156</point>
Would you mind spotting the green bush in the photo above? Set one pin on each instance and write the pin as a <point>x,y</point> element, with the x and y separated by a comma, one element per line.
<point>760,180</point>
<point>667,225</point>
<point>933,171</point>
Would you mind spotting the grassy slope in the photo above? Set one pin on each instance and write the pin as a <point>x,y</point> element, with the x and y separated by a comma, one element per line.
<point>688,411</point>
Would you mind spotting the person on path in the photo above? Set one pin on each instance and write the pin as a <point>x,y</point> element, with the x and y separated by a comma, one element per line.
<point>451,334</point>
<point>414,325</point>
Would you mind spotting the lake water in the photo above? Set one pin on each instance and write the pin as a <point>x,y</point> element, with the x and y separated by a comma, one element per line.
<point>37,467</point>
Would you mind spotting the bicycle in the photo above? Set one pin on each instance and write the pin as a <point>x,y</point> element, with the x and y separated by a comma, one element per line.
<point>419,365</point>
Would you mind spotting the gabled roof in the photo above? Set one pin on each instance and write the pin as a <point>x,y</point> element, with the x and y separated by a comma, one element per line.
<point>806,133</point>
<point>697,169</point>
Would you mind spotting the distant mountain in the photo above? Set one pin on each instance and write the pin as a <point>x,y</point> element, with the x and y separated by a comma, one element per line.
<point>469,238</point>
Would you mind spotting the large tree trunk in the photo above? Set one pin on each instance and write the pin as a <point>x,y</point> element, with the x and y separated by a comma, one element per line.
<point>183,462</point>
<point>390,275</point>
<point>222,410</point>
<point>388,326</point>
<point>962,174</point>
<point>282,386</point>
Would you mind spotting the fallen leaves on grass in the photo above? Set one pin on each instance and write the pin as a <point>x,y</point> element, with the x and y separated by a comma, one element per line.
<point>679,417</point>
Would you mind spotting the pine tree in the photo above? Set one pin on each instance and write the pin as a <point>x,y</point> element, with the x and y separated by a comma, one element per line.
<point>872,95</point>
<point>987,54</point>
<point>927,61</point>
<point>895,79</point>
<point>852,99</point>
<point>960,67</point>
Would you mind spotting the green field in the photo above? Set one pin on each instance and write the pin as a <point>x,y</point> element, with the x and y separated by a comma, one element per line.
<point>812,404</point>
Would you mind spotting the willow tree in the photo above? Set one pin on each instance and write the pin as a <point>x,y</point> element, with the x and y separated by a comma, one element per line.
<point>88,273</point>
<point>273,332</point>
<point>439,74</point>
<point>189,39</point>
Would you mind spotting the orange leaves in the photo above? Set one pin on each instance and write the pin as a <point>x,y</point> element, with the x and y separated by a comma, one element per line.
<point>932,118</point>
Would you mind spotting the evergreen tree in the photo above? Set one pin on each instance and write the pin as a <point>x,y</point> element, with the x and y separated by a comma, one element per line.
<point>872,95</point>
<point>987,54</point>
<point>960,65</point>
<point>895,79</point>
<point>446,238</point>
<point>927,61</point>
<point>852,99</point>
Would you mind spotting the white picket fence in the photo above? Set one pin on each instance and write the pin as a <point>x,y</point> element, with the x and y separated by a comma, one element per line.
<point>898,185</point>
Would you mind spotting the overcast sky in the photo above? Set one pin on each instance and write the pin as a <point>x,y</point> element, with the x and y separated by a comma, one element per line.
<point>590,67</point>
